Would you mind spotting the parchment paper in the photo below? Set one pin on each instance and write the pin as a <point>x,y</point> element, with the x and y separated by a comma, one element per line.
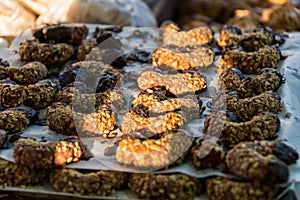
<point>289,92</point>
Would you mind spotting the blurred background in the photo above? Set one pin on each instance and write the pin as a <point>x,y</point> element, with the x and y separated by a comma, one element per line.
<point>280,15</point>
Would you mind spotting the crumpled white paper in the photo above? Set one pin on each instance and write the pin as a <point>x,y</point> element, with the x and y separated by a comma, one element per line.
<point>127,12</point>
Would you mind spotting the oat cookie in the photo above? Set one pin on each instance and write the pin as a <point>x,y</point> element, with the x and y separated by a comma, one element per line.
<point>165,186</point>
<point>256,161</point>
<point>219,188</point>
<point>249,41</point>
<point>35,154</point>
<point>245,109</point>
<point>189,82</point>
<point>135,120</point>
<point>251,62</point>
<point>15,175</point>
<point>263,126</point>
<point>29,73</point>
<point>100,183</point>
<point>154,153</point>
<point>183,58</point>
<point>61,34</point>
<point>48,54</point>
<point>208,152</point>
<point>200,35</point>
<point>155,101</point>
<point>267,80</point>
<point>59,117</point>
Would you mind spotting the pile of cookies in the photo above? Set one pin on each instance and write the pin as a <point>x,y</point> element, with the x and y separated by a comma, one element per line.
<point>86,98</point>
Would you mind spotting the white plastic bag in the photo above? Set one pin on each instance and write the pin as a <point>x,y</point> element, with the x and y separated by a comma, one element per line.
<point>127,12</point>
<point>14,18</point>
<point>36,6</point>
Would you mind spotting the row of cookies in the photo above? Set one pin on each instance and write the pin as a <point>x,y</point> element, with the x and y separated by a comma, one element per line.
<point>244,113</point>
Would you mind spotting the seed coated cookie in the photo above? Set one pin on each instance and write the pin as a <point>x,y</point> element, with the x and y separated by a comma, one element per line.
<point>46,53</point>
<point>253,165</point>
<point>61,34</point>
<point>267,80</point>
<point>94,183</point>
<point>220,188</point>
<point>245,109</point>
<point>249,41</point>
<point>15,175</point>
<point>208,152</point>
<point>264,126</point>
<point>251,62</point>
<point>35,154</point>
<point>171,36</point>
<point>189,82</point>
<point>183,58</point>
<point>165,186</point>
<point>154,153</point>
<point>136,121</point>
